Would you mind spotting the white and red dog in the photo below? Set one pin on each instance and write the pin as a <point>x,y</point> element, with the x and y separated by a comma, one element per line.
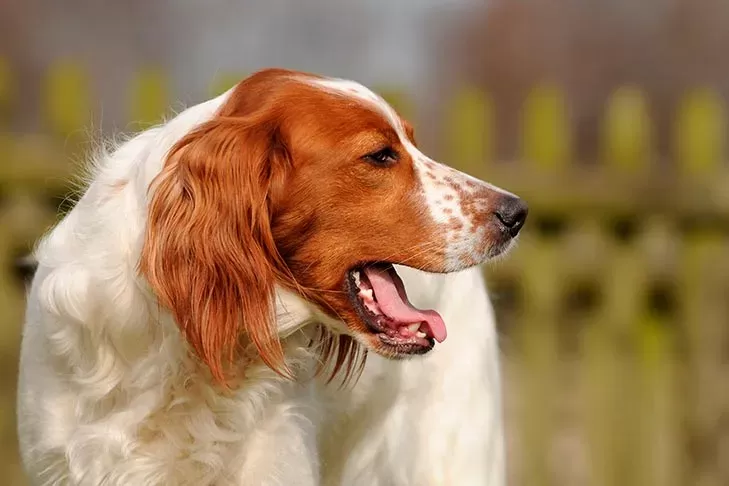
<point>202,316</point>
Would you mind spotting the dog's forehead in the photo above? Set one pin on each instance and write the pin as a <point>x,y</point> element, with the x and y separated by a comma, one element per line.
<point>364,95</point>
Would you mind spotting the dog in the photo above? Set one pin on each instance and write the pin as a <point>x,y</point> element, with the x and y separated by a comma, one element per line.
<point>226,304</point>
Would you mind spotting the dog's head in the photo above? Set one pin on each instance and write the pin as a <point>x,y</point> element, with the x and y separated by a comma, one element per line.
<point>316,185</point>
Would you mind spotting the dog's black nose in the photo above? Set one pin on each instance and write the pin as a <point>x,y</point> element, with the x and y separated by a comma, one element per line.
<point>512,212</point>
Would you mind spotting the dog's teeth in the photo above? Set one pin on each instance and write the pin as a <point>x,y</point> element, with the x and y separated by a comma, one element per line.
<point>355,274</point>
<point>414,327</point>
<point>420,334</point>
<point>367,294</point>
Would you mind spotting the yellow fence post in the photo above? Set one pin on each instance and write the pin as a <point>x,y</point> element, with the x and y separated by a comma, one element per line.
<point>626,131</point>
<point>469,130</point>
<point>68,101</point>
<point>6,96</point>
<point>620,380</point>
<point>659,460</point>
<point>546,145</point>
<point>149,98</point>
<point>703,285</point>
<point>536,359</point>
<point>703,288</point>
<point>546,130</point>
<point>700,132</point>
<point>6,92</point>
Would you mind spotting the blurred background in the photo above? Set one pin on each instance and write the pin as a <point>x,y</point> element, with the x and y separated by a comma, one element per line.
<point>607,116</point>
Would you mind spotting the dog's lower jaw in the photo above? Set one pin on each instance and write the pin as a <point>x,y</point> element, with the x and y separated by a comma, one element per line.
<point>431,420</point>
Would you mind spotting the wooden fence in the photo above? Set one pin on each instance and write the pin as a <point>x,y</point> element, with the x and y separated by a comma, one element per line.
<point>613,310</point>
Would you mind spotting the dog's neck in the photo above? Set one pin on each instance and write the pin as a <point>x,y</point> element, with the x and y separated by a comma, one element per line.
<point>293,313</point>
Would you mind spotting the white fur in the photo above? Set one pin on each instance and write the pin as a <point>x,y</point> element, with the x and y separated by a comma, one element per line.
<point>109,394</point>
<point>445,189</point>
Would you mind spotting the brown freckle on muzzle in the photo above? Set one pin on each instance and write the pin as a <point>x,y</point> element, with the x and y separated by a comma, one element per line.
<point>477,211</point>
<point>456,187</point>
<point>455,224</point>
<point>465,260</point>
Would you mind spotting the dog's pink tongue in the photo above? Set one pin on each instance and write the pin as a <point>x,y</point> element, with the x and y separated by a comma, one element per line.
<point>393,302</point>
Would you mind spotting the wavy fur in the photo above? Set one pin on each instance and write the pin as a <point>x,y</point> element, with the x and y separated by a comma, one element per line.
<point>158,327</point>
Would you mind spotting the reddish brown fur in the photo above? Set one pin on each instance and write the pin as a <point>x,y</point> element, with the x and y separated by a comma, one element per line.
<point>209,252</point>
<point>275,190</point>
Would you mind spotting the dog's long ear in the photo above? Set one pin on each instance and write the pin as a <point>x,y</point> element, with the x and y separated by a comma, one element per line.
<point>208,253</point>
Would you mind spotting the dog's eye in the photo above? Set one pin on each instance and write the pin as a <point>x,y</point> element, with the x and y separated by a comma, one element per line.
<point>384,157</point>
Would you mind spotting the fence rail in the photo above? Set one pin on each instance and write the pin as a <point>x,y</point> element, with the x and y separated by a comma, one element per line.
<point>613,310</point>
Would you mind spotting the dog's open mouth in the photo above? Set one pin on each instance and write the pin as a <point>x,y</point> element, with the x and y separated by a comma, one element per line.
<point>378,295</point>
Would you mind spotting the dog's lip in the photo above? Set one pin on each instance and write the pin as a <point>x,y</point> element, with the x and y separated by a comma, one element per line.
<point>396,345</point>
